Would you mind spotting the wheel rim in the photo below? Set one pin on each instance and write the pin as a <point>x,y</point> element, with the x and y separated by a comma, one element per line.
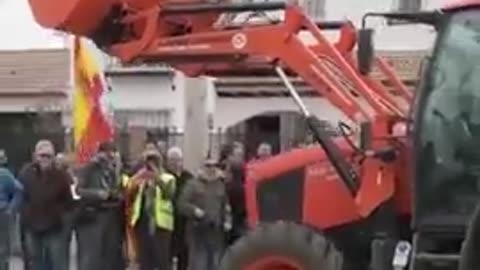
<point>273,263</point>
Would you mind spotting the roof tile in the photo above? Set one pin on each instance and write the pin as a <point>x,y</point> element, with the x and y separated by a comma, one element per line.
<point>35,72</point>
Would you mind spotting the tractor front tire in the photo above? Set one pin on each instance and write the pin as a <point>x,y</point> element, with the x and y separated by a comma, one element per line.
<point>282,245</point>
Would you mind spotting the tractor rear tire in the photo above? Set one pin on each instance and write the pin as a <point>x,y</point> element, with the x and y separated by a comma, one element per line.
<point>282,245</point>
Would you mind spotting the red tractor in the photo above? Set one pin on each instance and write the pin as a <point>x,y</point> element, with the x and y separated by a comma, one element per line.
<point>342,205</point>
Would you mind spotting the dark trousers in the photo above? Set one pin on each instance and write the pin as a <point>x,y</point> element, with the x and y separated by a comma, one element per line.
<point>47,250</point>
<point>153,250</point>
<point>100,241</point>
<point>205,248</point>
<point>182,256</point>
<point>179,245</point>
<point>4,240</point>
<point>238,230</point>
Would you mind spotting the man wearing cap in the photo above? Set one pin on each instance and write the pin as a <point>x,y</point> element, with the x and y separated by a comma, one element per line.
<point>152,213</point>
<point>100,218</point>
<point>47,198</point>
<point>10,197</point>
<point>204,202</point>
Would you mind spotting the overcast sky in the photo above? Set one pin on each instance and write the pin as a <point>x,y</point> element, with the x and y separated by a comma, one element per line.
<point>19,31</point>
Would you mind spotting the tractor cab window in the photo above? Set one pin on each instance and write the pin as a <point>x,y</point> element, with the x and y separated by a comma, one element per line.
<point>448,128</point>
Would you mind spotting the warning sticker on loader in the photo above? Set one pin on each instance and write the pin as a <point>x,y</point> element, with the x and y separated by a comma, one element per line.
<point>239,41</point>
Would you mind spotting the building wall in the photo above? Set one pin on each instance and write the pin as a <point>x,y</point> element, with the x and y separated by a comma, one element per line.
<point>154,93</point>
<point>20,104</point>
<point>230,111</point>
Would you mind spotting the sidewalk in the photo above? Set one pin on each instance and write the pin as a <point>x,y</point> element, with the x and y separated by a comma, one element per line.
<point>16,264</point>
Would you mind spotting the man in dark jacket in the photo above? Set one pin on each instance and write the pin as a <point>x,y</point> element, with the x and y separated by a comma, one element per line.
<point>64,163</point>
<point>100,220</point>
<point>47,197</point>
<point>10,198</point>
<point>205,203</point>
<point>179,245</point>
<point>235,176</point>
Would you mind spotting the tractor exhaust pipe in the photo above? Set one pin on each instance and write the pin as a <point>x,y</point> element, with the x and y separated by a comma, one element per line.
<point>343,168</point>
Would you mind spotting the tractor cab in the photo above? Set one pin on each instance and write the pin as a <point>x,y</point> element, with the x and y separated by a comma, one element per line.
<point>445,124</point>
<point>446,128</point>
<point>445,132</point>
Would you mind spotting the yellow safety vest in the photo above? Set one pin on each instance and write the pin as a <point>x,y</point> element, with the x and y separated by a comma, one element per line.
<point>163,207</point>
<point>125,180</point>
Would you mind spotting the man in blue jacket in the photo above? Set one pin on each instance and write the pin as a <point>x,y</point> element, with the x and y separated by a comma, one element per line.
<point>10,198</point>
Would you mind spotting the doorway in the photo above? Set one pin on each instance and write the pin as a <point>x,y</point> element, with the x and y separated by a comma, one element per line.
<point>262,128</point>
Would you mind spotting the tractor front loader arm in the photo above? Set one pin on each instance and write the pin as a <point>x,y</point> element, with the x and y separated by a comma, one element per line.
<point>186,35</point>
<point>246,48</point>
<point>209,52</point>
<point>272,46</point>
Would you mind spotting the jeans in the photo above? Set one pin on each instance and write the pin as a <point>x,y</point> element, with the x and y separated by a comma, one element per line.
<point>70,230</point>
<point>27,260</point>
<point>4,240</point>
<point>48,251</point>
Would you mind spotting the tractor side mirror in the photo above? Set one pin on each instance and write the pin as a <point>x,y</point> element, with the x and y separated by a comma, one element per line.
<point>365,50</point>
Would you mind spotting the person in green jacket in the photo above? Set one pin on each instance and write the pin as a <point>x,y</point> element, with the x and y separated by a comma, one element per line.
<point>152,210</point>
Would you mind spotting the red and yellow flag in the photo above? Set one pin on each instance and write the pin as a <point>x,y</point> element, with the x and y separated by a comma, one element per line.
<point>91,122</point>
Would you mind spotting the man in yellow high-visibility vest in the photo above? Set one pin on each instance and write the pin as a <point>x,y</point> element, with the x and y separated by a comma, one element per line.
<point>151,210</point>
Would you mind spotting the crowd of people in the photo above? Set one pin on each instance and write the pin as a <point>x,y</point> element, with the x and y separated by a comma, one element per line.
<point>153,214</point>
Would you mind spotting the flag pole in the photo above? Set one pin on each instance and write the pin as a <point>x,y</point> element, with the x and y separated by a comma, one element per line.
<point>70,42</point>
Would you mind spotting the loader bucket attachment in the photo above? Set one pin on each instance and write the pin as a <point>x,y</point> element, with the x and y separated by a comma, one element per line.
<point>78,17</point>
<point>365,51</point>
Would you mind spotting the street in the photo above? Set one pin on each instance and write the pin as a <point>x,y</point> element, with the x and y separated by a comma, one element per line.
<point>16,263</point>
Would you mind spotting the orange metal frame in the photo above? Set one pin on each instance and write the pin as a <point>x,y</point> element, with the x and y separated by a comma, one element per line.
<point>328,68</point>
<point>205,52</point>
